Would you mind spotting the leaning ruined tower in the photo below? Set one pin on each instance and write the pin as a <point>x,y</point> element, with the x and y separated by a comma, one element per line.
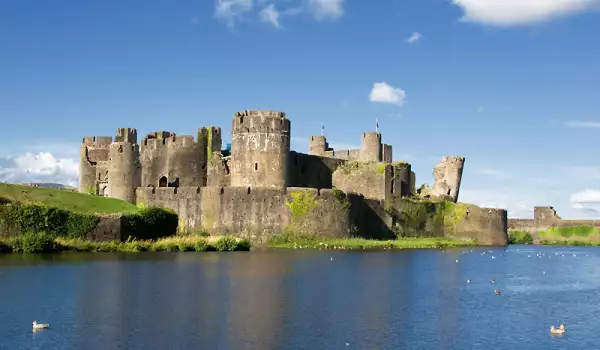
<point>124,170</point>
<point>259,150</point>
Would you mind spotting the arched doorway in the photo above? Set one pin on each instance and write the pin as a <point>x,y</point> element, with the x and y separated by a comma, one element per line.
<point>105,191</point>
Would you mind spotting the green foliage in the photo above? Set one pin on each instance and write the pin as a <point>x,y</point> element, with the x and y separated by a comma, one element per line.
<point>451,213</point>
<point>519,237</point>
<point>341,198</point>
<point>571,231</point>
<point>388,206</point>
<point>152,223</point>
<point>302,203</point>
<point>16,219</point>
<point>32,242</point>
<point>201,246</point>
<point>381,169</point>
<point>226,244</point>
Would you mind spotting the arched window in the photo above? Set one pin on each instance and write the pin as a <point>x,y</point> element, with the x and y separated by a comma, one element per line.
<point>162,182</point>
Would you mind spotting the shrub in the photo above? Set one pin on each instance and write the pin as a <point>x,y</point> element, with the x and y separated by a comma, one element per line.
<point>30,242</point>
<point>18,218</point>
<point>226,244</point>
<point>519,237</point>
<point>201,246</point>
<point>152,223</point>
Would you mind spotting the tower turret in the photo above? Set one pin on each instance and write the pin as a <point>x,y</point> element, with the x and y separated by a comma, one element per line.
<point>124,171</point>
<point>92,153</point>
<point>370,149</point>
<point>317,145</point>
<point>260,147</point>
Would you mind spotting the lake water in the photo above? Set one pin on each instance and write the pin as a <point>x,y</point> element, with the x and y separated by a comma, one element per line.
<point>301,299</point>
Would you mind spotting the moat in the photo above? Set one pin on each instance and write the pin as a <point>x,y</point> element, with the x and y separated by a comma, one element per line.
<point>303,299</point>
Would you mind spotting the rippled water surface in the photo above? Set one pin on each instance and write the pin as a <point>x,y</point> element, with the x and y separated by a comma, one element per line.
<point>294,299</point>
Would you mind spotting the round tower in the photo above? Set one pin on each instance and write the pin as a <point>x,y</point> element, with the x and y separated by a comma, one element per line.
<point>259,150</point>
<point>123,171</point>
<point>370,149</point>
<point>93,150</point>
<point>317,145</point>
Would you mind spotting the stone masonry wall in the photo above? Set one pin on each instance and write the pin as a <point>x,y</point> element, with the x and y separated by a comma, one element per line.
<point>544,218</point>
<point>372,180</point>
<point>313,171</point>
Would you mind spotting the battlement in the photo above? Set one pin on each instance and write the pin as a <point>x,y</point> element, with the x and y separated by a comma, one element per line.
<point>97,141</point>
<point>173,141</point>
<point>126,135</point>
<point>260,122</point>
<point>163,193</point>
<point>371,135</point>
<point>158,135</point>
<point>454,160</point>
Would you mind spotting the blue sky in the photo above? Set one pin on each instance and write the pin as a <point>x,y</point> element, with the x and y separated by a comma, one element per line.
<point>512,85</point>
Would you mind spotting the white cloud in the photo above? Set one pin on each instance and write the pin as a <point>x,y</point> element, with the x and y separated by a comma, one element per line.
<point>326,9</point>
<point>270,15</point>
<point>582,124</point>
<point>232,10</point>
<point>384,93</point>
<point>414,37</point>
<point>40,167</point>
<point>520,12</point>
<point>586,201</point>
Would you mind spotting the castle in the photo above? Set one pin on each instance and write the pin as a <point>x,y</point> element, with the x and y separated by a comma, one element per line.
<point>247,187</point>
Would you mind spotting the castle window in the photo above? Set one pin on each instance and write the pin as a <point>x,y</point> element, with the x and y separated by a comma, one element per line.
<point>255,166</point>
<point>162,182</point>
<point>249,190</point>
<point>241,120</point>
<point>296,159</point>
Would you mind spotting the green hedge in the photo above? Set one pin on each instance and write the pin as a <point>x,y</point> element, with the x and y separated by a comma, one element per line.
<point>18,219</point>
<point>519,237</point>
<point>152,223</point>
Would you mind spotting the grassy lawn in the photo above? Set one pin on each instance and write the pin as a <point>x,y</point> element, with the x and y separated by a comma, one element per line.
<point>362,243</point>
<point>571,234</point>
<point>40,243</point>
<point>67,200</point>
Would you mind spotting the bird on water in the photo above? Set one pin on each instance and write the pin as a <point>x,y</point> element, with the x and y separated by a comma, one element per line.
<point>40,325</point>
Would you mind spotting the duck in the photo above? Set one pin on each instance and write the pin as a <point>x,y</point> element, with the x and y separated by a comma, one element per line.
<point>40,325</point>
<point>559,330</point>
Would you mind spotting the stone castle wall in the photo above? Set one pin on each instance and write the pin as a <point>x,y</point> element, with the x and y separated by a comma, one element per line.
<point>545,218</point>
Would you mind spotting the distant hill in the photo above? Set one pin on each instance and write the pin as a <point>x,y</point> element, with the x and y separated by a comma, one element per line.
<point>49,185</point>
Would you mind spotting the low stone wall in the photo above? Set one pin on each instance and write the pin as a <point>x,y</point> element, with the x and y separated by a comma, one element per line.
<point>109,228</point>
<point>257,212</point>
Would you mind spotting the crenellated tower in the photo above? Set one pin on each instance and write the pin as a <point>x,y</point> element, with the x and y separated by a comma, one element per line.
<point>260,147</point>
<point>124,169</point>
<point>317,145</point>
<point>371,148</point>
<point>93,163</point>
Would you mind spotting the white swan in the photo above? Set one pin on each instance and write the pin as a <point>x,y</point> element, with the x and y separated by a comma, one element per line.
<point>40,325</point>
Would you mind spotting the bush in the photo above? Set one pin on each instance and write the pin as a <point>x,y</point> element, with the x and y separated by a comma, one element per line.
<point>519,237</point>
<point>152,223</point>
<point>17,219</point>
<point>226,244</point>
<point>38,242</point>
<point>201,246</point>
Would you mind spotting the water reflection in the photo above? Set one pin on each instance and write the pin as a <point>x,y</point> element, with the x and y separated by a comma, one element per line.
<point>302,299</point>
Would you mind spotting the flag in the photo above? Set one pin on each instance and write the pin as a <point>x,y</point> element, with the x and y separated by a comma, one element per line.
<point>322,128</point>
<point>376,124</point>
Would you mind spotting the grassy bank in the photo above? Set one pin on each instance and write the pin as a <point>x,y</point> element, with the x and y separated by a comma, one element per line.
<point>42,243</point>
<point>66,214</point>
<point>580,233</point>
<point>66,200</point>
<point>362,243</point>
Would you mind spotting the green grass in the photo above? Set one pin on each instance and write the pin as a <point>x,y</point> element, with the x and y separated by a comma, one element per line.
<point>580,233</point>
<point>63,199</point>
<point>570,243</point>
<point>362,243</point>
<point>42,243</point>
